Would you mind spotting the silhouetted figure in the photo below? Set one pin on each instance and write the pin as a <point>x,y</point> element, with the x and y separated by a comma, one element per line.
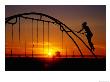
<point>88,34</point>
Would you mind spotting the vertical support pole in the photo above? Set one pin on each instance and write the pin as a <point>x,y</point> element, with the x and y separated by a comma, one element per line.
<point>12,42</point>
<point>19,29</point>
<point>12,32</point>
<point>32,38</point>
<point>66,52</point>
<point>43,37</point>
<point>48,37</point>
<point>25,48</point>
<point>37,33</point>
<point>62,29</point>
<point>62,42</point>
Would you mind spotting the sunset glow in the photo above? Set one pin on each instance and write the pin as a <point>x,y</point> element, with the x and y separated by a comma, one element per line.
<point>49,52</point>
<point>55,37</point>
<point>35,38</point>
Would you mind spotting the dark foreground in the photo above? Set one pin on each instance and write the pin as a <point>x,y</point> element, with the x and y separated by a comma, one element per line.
<point>55,64</point>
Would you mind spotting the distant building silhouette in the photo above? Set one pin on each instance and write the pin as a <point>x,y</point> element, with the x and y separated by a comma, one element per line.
<point>58,54</point>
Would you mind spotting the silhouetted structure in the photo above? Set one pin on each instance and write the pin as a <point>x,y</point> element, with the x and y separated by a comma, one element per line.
<point>88,34</point>
<point>62,27</point>
<point>58,63</point>
<point>58,54</point>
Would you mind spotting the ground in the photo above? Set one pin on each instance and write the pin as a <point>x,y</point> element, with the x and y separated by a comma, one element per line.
<point>54,64</point>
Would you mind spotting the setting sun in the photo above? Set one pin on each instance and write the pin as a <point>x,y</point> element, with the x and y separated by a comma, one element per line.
<point>49,53</point>
<point>55,37</point>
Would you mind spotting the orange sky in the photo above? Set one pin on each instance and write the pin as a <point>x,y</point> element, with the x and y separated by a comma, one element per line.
<point>94,15</point>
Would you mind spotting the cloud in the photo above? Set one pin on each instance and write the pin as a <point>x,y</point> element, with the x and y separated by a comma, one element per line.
<point>39,43</point>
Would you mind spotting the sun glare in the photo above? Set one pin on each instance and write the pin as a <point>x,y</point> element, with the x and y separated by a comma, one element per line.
<point>49,53</point>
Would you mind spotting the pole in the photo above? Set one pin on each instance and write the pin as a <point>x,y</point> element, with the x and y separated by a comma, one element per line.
<point>19,29</point>
<point>12,42</point>
<point>37,34</point>
<point>48,37</point>
<point>43,37</point>
<point>32,38</point>
<point>62,42</point>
